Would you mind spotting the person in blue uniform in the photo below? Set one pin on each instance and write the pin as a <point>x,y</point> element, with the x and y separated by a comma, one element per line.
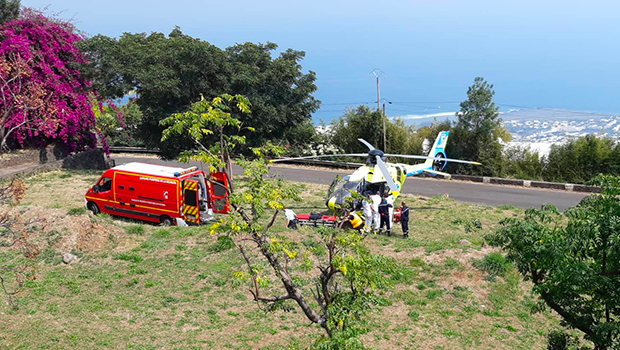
<point>384,213</point>
<point>404,219</point>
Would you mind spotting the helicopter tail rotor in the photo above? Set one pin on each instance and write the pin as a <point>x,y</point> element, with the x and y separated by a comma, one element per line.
<point>439,165</point>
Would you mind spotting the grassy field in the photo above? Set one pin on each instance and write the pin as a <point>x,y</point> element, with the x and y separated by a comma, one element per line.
<point>141,286</point>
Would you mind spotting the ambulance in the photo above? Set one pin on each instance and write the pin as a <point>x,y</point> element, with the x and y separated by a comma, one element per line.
<point>160,194</point>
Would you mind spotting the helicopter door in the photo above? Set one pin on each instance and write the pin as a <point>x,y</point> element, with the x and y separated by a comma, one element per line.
<point>191,212</point>
<point>219,193</point>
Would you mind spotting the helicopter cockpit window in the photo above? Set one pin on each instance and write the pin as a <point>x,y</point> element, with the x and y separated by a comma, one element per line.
<point>351,185</point>
<point>335,184</point>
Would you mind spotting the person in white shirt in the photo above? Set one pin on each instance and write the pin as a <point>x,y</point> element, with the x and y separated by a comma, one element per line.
<point>390,200</point>
<point>291,219</point>
<point>368,212</point>
<point>376,200</point>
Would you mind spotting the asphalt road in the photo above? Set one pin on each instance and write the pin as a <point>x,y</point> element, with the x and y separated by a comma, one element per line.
<point>484,194</point>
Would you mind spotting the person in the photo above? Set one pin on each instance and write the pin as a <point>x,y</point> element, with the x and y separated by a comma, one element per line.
<point>384,212</point>
<point>404,219</point>
<point>390,200</point>
<point>355,220</point>
<point>368,211</point>
<point>376,200</point>
<point>291,219</point>
<point>106,184</point>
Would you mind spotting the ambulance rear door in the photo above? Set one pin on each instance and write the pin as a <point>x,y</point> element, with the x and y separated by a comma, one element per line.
<point>191,210</point>
<point>218,192</point>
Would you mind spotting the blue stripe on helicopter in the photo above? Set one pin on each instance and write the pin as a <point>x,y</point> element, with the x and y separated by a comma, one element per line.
<point>414,173</point>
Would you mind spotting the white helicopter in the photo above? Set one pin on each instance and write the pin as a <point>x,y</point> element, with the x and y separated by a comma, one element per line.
<point>377,174</point>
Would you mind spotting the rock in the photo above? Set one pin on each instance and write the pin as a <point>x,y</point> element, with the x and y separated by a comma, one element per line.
<point>68,257</point>
<point>463,241</point>
<point>485,244</point>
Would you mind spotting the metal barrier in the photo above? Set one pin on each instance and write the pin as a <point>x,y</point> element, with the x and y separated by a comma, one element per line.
<point>134,150</point>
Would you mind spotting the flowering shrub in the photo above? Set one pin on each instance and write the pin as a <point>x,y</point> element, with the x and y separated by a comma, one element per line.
<point>43,96</point>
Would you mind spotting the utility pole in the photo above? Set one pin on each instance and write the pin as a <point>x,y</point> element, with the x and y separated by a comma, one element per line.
<point>384,137</point>
<point>378,93</point>
<point>377,73</point>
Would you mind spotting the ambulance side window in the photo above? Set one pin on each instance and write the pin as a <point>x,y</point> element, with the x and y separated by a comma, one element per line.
<point>105,184</point>
<point>219,190</point>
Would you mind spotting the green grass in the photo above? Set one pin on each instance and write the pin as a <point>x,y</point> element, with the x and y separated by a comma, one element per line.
<point>147,287</point>
<point>494,264</point>
<point>77,211</point>
<point>135,230</point>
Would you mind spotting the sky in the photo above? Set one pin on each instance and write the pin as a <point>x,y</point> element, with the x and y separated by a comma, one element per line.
<point>538,54</point>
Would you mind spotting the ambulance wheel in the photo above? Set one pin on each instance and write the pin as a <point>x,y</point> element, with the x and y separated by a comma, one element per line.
<point>165,220</point>
<point>93,207</point>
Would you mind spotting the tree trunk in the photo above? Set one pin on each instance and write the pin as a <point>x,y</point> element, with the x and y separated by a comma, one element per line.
<point>289,285</point>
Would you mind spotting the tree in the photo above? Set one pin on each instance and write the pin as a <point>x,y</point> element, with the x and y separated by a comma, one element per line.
<point>280,92</point>
<point>523,163</point>
<point>9,10</point>
<point>119,124</point>
<point>44,98</point>
<point>579,160</point>
<point>356,123</point>
<point>204,119</point>
<point>348,274</point>
<point>476,133</point>
<point>170,73</point>
<point>573,260</point>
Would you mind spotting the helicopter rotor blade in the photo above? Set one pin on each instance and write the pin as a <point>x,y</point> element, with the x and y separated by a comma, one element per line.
<point>322,156</point>
<point>366,143</point>
<point>434,158</point>
<point>386,174</point>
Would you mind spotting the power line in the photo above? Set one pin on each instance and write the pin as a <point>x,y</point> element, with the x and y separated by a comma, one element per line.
<point>426,102</point>
<point>347,103</point>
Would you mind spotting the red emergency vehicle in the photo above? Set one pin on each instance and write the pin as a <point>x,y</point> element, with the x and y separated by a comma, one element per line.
<point>159,193</point>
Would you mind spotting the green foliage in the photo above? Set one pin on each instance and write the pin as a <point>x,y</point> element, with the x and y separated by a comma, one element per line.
<point>494,264</point>
<point>76,211</point>
<point>135,230</point>
<point>120,125</point>
<point>573,260</point>
<point>559,340</point>
<point>349,275</point>
<point>580,160</point>
<point>9,10</point>
<point>361,122</point>
<point>223,243</point>
<point>171,72</point>
<point>476,134</point>
<point>522,163</point>
<point>473,225</point>
<point>204,119</point>
<point>280,92</point>
<point>135,258</point>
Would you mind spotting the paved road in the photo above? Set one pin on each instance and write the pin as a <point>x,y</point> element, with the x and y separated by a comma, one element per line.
<point>483,194</point>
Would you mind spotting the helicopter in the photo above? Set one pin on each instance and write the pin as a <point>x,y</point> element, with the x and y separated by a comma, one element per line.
<point>378,176</point>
